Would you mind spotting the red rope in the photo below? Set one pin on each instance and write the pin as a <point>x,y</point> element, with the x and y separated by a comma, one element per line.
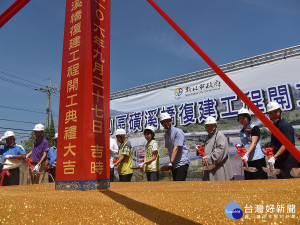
<point>12,10</point>
<point>291,148</point>
<point>4,172</point>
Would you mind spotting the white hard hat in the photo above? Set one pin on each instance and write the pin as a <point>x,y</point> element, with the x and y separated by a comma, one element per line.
<point>149,127</point>
<point>39,127</point>
<point>8,134</point>
<point>272,106</point>
<point>164,116</point>
<point>244,111</point>
<point>56,135</point>
<point>120,132</point>
<point>210,120</point>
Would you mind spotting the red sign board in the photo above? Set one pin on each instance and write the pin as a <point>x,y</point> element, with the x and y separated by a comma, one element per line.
<point>83,132</point>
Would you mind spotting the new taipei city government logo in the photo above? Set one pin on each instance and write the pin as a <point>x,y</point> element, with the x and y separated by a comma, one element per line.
<point>233,210</point>
<point>178,92</point>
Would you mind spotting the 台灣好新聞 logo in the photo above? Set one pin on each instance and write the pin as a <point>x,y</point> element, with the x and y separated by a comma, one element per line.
<point>233,210</point>
<point>178,92</point>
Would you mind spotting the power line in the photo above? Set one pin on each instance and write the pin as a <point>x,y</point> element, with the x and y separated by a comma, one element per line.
<point>18,83</point>
<point>20,135</point>
<point>32,82</point>
<point>18,121</point>
<point>6,128</point>
<point>26,110</point>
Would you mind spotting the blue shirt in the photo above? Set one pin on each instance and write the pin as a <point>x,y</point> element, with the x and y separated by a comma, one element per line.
<point>11,150</point>
<point>52,153</point>
<point>246,139</point>
<point>175,137</point>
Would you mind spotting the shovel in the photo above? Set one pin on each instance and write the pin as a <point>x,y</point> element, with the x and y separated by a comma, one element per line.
<point>11,164</point>
<point>208,167</point>
<point>247,168</point>
<point>295,172</point>
<point>270,170</point>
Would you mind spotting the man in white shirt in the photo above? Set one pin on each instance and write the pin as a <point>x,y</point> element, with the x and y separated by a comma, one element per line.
<point>113,151</point>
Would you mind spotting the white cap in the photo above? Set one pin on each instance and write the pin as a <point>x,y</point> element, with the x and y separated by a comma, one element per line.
<point>164,116</point>
<point>244,111</point>
<point>149,127</point>
<point>120,132</point>
<point>56,135</point>
<point>8,134</point>
<point>210,120</point>
<point>39,127</point>
<point>272,106</point>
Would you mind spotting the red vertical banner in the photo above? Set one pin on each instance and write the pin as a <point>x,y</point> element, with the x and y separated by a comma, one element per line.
<point>83,133</point>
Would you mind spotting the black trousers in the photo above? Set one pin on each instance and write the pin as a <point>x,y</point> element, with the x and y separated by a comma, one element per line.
<point>259,174</point>
<point>52,171</point>
<point>125,178</point>
<point>112,174</point>
<point>13,179</point>
<point>284,174</point>
<point>180,173</point>
<point>152,176</point>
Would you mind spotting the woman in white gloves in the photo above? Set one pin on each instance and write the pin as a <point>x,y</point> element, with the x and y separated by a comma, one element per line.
<point>151,158</point>
<point>250,138</point>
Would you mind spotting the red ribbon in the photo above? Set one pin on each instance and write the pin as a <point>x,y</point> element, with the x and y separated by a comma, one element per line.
<point>200,150</point>
<point>240,151</point>
<point>29,161</point>
<point>47,168</point>
<point>269,152</point>
<point>4,172</point>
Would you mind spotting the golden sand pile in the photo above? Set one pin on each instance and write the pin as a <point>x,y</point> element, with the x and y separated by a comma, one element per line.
<point>187,202</point>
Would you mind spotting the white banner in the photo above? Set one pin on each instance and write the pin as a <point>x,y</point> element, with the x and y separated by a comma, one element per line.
<point>192,102</point>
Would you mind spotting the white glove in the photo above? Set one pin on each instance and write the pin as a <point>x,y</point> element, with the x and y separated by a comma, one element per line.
<point>8,156</point>
<point>245,157</point>
<point>37,167</point>
<point>141,165</point>
<point>272,160</point>
<point>204,157</point>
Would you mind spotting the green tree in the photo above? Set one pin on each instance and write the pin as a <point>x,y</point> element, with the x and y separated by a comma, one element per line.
<point>29,143</point>
<point>49,132</point>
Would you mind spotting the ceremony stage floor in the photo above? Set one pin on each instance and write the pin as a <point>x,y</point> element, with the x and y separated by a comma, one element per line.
<point>189,202</point>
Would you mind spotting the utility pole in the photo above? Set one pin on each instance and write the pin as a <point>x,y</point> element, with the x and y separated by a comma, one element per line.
<point>48,90</point>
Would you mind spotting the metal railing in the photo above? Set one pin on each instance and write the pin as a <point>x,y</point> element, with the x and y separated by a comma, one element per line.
<point>229,67</point>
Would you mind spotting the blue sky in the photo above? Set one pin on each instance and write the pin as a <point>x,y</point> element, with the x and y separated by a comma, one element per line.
<point>144,48</point>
